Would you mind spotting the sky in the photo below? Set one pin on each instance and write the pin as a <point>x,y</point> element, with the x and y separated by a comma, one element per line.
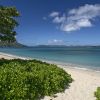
<point>57,22</point>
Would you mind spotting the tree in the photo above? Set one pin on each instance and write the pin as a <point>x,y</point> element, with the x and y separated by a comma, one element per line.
<point>8,23</point>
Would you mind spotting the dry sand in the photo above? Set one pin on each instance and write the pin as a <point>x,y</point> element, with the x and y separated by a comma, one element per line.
<point>10,56</point>
<point>82,88</point>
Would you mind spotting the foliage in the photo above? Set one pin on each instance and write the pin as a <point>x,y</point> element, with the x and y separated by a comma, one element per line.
<point>8,23</point>
<point>13,45</point>
<point>30,79</point>
<point>97,93</point>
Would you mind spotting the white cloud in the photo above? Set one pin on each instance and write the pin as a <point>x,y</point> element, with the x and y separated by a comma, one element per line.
<point>84,23</point>
<point>69,27</point>
<point>55,42</point>
<point>58,19</point>
<point>54,14</point>
<point>87,11</point>
<point>78,18</point>
<point>76,25</point>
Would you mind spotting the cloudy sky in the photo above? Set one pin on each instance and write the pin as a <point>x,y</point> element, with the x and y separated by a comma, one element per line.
<point>57,22</point>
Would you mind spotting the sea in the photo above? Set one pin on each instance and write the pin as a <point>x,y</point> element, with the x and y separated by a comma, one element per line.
<point>87,57</point>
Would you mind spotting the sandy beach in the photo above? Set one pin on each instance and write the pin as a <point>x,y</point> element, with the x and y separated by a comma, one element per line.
<point>82,88</point>
<point>9,56</point>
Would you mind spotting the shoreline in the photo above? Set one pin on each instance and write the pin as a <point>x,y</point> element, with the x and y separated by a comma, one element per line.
<point>72,66</point>
<point>65,65</point>
<point>82,88</point>
<point>11,56</point>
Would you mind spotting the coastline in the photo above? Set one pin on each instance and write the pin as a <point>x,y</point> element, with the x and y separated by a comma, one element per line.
<point>10,56</point>
<point>60,64</point>
<point>72,66</point>
<point>82,88</point>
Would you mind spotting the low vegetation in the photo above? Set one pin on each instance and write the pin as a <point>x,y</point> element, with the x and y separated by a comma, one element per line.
<point>14,44</point>
<point>97,93</point>
<point>30,79</point>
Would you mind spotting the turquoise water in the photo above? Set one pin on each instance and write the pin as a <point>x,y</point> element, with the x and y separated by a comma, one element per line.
<point>88,56</point>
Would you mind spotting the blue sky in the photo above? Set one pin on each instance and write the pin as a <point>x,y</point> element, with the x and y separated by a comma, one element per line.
<point>57,22</point>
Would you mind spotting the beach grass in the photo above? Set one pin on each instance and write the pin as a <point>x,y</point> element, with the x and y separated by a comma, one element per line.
<point>97,93</point>
<point>31,79</point>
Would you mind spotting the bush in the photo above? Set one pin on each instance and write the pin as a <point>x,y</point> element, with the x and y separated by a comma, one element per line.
<point>97,93</point>
<point>30,79</point>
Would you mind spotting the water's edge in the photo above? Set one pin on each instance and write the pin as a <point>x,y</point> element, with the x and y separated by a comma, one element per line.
<point>61,64</point>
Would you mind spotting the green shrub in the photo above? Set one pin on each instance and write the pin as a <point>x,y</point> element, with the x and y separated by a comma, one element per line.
<point>97,93</point>
<point>30,79</point>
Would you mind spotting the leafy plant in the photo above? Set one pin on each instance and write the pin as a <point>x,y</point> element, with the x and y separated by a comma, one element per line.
<point>30,79</point>
<point>8,23</point>
<point>97,93</point>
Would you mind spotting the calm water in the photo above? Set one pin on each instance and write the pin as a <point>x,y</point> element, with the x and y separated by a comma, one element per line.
<point>88,56</point>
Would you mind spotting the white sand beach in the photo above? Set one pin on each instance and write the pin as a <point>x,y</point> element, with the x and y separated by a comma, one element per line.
<point>82,88</point>
<point>10,56</point>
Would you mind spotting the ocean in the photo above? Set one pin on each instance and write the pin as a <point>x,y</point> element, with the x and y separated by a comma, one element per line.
<point>87,57</point>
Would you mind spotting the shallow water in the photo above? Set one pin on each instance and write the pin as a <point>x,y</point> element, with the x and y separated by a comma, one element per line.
<point>88,56</point>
